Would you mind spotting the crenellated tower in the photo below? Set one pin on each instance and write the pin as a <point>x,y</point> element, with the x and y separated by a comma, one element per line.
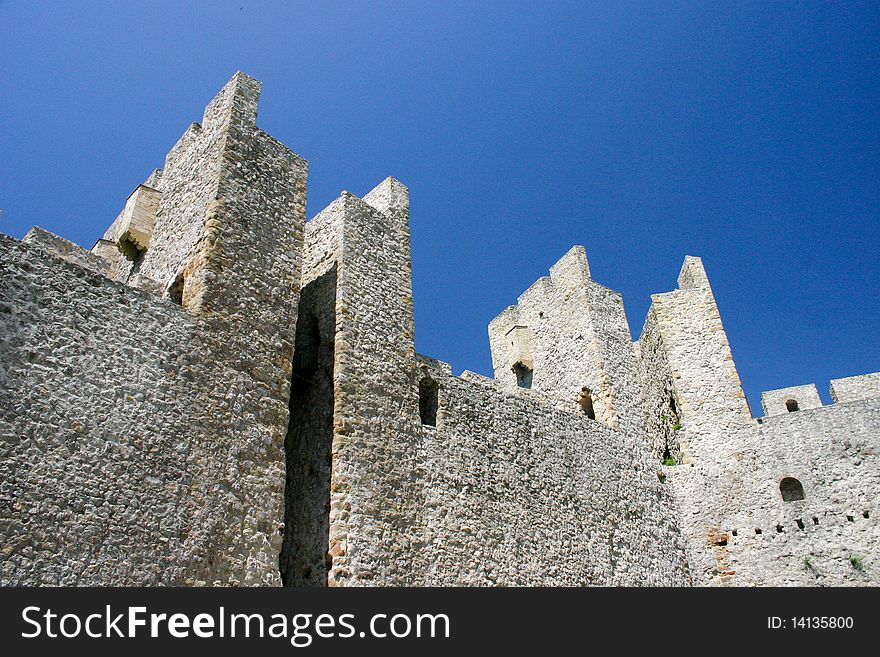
<point>567,338</point>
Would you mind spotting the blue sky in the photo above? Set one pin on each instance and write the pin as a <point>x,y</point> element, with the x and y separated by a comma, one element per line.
<point>745,133</point>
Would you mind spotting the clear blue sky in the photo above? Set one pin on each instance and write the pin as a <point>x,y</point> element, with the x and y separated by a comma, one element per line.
<point>745,133</point>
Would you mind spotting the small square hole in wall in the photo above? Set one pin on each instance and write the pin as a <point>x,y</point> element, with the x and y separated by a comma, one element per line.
<point>733,532</point>
<point>850,519</point>
<point>865,514</point>
<point>815,520</point>
<point>800,523</point>
<point>778,529</point>
<point>757,531</point>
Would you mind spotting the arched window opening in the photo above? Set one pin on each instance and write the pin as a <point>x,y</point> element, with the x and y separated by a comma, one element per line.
<point>523,375</point>
<point>175,292</point>
<point>307,351</point>
<point>585,401</point>
<point>428,401</point>
<point>792,405</point>
<point>791,489</point>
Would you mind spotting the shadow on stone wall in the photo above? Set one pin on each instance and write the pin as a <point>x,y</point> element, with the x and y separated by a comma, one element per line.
<point>304,559</point>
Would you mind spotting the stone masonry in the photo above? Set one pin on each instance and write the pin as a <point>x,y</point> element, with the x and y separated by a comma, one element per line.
<point>222,393</point>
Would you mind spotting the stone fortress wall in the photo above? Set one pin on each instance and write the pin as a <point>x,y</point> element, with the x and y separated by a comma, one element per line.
<point>786,499</point>
<point>222,393</point>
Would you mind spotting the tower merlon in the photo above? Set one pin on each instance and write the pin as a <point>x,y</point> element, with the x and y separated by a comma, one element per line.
<point>692,274</point>
<point>572,268</point>
<point>389,197</point>
<point>791,399</point>
<point>55,245</point>
<point>855,388</point>
<point>236,103</point>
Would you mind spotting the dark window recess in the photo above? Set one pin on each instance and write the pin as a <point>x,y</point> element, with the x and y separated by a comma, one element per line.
<point>308,349</point>
<point>175,292</point>
<point>523,375</point>
<point>792,405</point>
<point>791,489</point>
<point>585,401</point>
<point>428,401</point>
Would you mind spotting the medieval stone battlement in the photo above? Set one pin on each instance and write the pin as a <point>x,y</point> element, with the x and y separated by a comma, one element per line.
<point>220,392</point>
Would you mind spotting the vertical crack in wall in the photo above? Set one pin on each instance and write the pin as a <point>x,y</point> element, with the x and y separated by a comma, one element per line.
<point>304,559</point>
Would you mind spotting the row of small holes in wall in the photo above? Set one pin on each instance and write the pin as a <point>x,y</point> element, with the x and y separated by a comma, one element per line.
<point>800,524</point>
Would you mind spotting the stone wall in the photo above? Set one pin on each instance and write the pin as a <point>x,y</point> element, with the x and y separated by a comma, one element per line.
<point>97,391</point>
<point>373,488</point>
<point>854,388</point>
<point>831,536</point>
<point>506,489</point>
<point>158,429</point>
<point>520,493</point>
<point>51,244</point>
<point>736,480</point>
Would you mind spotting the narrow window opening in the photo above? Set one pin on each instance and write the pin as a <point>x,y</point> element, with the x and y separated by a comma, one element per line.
<point>428,401</point>
<point>585,401</point>
<point>815,520</point>
<point>673,407</point>
<point>175,292</point>
<point>523,375</point>
<point>791,405</point>
<point>791,489</point>
<point>800,523</point>
<point>865,514</point>
<point>307,553</point>
<point>778,529</point>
